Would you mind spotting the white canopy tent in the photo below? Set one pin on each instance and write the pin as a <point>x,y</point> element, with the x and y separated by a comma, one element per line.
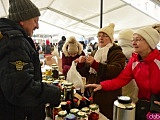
<point>82,17</point>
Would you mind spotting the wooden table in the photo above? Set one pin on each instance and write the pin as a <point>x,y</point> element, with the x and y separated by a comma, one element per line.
<point>102,117</point>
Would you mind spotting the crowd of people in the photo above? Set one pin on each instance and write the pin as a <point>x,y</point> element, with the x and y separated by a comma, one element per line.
<point>130,68</point>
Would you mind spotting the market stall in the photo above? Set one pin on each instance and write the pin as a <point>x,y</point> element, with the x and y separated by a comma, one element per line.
<point>69,94</point>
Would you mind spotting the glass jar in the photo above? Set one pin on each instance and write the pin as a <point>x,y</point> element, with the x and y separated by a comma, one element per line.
<point>94,108</point>
<point>86,110</point>
<point>68,91</point>
<point>74,111</point>
<point>55,111</point>
<point>71,117</point>
<point>93,116</point>
<point>48,74</point>
<point>61,115</point>
<point>55,72</point>
<point>82,115</point>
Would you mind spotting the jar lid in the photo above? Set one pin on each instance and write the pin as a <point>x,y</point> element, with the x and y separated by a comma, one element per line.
<point>75,100</point>
<point>62,77</point>
<point>74,110</point>
<point>70,117</point>
<point>55,83</point>
<point>64,103</point>
<point>62,113</point>
<point>68,84</point>
<point>54,64</point>
<point>124,99</point>
<point>81,114</point>
<point>68,102</point>
<point>93,106</point>
<point>90,98</point>
<point>85,109</point>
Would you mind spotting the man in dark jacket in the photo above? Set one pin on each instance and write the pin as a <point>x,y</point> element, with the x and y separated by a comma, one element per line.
<point>23,95</point>
<point>60,44</point>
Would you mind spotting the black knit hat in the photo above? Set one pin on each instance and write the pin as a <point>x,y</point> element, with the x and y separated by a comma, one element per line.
<point>20,10</point>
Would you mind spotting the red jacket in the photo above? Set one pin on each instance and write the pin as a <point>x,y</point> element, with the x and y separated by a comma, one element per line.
<point>146,74</point>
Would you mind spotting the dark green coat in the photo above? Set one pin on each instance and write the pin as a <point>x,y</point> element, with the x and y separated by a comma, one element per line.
<point>22,91</point>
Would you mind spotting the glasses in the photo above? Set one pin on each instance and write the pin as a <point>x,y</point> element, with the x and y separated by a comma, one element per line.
<point>137,39</point>
<point>102,36</point>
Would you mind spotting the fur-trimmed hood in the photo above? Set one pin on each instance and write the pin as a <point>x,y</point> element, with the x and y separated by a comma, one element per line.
<point>72,45</point>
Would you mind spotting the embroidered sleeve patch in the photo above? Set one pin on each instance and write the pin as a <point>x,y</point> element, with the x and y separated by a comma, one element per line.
<point>1,36</point>
<point>19,65</point>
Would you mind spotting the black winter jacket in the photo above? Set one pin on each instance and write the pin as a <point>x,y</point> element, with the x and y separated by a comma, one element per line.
<point>20,72</point>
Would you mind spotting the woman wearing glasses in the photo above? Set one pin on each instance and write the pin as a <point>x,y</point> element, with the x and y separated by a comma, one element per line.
<point>144,67</point>
<point>104,63</point>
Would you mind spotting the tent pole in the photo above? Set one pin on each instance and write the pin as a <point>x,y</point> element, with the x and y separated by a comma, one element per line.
<point>101,14</point>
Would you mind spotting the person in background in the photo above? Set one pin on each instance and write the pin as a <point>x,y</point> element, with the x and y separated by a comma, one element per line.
<point>47,50</point>
<point>71,50</point>
<point>89,48</point>
<point>37,47</point>
<point>83,44</point>
<point>125,37</point>
<point>43,46</point>
<point>143,66</point>
<point>95,46</point>
<point>104,63</point>
<point>23,95</point>
<point>60,44</point>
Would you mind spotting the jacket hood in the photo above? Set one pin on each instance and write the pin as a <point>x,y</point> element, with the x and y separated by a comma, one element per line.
<point>72,44</point>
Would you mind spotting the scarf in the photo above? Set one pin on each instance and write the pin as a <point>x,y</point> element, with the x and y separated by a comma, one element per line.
<point>101,56</point>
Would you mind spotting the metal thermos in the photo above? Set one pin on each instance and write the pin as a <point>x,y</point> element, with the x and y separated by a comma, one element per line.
<point>124,109</point>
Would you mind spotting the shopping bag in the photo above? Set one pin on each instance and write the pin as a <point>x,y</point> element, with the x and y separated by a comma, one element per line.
<point>74,77</point>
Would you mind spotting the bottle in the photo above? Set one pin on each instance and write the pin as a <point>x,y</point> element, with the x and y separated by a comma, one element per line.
<point>68,107</point>
<point>75,103</point>
<point>87,93</point>
<point>78,91</point>
<point>90,100</point>
<point>64,105</point>
<point>83,103</point>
